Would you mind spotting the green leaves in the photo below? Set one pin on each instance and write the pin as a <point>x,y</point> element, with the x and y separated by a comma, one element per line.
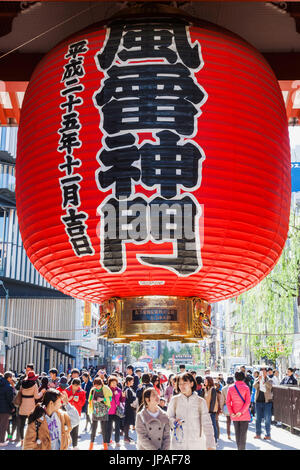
<point>268,308</point>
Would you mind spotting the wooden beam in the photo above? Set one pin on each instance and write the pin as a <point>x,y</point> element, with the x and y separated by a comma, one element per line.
<point>19,67</point>
<point>286,65</point>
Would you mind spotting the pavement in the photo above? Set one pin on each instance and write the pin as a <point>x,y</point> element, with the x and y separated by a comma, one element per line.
<point>281,439</point>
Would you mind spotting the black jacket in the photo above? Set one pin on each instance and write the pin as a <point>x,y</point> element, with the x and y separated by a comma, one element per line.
<point>140,391</point>
<point>289,380</point>
<point>6,396</point>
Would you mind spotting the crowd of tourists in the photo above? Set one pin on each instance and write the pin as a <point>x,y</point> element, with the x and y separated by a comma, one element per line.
<point>179,412</point>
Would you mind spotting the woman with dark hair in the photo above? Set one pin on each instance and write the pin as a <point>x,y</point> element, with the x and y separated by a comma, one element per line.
<point>130,401</point>
<point>200,386</point>
<point>224,408</point>
<point>152,423</point>
<point>29,393</point>
<point>170,388</point>
<point>238,403</point>
<point>210,396</point>
<point>44,384</point>
<point>86,386</point>
<point>116,402</point>
<point>49,427</point>
<point>156,383</point>
<point>99,404</point>
<point>189,418</point>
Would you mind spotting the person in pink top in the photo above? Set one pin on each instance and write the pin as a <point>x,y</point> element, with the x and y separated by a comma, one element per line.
<point>238,403</point>
<point>117,399</point>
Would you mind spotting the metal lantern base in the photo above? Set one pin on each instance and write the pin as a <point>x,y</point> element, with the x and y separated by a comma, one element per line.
<point>185,319</point>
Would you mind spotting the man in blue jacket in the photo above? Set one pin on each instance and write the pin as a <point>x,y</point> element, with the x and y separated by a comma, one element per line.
<point>6,405</point>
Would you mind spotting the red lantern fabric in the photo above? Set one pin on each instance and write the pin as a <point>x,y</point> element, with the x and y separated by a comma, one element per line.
<point>240,139</point>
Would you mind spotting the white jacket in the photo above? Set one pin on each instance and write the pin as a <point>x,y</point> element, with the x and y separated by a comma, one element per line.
<point>193,410</point>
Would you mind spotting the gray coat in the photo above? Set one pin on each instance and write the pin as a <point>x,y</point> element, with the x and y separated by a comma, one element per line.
<point>152,433</point>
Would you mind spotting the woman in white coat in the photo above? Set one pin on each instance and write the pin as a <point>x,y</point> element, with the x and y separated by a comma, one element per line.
<point>189,418</point>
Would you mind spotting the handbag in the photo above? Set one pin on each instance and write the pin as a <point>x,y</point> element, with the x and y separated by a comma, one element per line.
<point>18,399</point>
<point>120,411</point>
<point>251,417</point>
<point>100,410</point>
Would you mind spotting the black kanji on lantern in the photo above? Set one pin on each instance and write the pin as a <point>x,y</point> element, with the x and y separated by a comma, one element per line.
<point>175,221</point>
<point>76,229</point>
<point>74,69</point>
<point>77,48</point>
<point>137,221</point>
<point>70,189</point>
<point>69,141</point>
<point>120,169</point>
<point>122,221</point>
<point>149,41</point>
<point>70,162</point>
<point>148,86</point>
<point>156,96</point>
<point>169,165</point>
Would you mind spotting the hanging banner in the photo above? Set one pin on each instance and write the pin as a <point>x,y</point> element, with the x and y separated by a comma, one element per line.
<point>87,314</point>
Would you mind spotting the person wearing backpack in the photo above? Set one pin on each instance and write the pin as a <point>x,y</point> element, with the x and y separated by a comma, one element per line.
<point>238,403</point>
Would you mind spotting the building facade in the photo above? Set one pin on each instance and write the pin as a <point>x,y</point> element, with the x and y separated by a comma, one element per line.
<point>39,324</point>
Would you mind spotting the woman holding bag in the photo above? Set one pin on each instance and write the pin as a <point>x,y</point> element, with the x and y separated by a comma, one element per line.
<point>189,418</point>
<point>99,405</point>
<point>238,403</point>
<point>116,409</point>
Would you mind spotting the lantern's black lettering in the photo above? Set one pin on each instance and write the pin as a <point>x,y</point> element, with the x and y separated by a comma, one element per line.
<point>68,141</point>
<point>147,41</point>
<point>76,228</point>
<point>70,162</point>
<point>70,190</point>
<point>70,122</point>
<point>150,41</point>
<point>120,171</point>
<point>171,221</point>
<point>122,140</point>
<point>106,58</point>
<point>169,164</point>
<point>149,97</point>
<point>122,221</point>
<point>125,222</point>
<point>71,102</point>
<point>76,48</point>
<point>74,69</point>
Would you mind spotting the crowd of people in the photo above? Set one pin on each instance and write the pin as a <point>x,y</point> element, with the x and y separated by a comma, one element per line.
<point>179,412</point>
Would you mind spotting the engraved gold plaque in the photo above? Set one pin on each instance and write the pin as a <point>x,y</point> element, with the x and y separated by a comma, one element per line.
<point>185,319</point>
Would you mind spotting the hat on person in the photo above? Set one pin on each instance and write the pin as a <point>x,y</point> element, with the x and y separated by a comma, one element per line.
<point>63,382</point>
<point>31,376</point>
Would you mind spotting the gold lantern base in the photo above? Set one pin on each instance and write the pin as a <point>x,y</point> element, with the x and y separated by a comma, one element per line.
<point>185,319</point>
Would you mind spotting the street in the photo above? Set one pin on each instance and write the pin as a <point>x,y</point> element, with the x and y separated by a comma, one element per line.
<point>282,439</point>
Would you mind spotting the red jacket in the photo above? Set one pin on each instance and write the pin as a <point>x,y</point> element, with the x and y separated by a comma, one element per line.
<point>235,404</point>
<point>78,399</point>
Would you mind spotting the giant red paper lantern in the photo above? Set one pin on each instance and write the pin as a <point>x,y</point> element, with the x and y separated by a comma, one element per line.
<point>149,112</point>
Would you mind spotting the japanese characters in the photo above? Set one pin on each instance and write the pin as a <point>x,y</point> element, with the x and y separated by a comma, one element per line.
<point>69,143</point>
<point>149,86</point>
